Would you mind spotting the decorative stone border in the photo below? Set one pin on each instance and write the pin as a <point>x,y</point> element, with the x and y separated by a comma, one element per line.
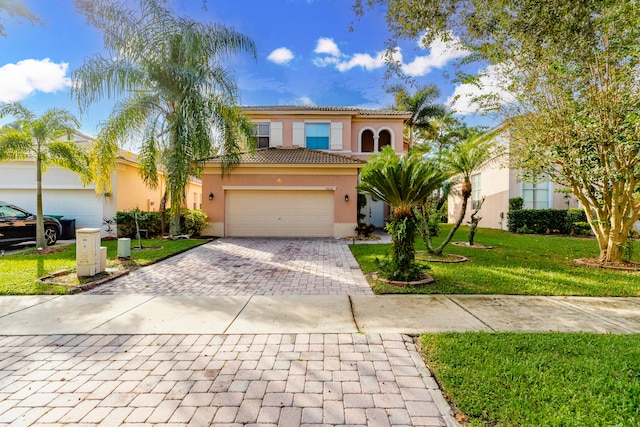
<point>467,245</point>
<point>459,258</point>
<point>427,279</point>
<point>594,264</point>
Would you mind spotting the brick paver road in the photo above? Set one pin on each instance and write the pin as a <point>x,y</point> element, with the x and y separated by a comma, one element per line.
<point>250,267</point>
<point>232,380</point>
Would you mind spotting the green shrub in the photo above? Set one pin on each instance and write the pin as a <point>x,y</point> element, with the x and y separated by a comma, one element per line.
<point>541,221</point>
<point>126,221</point>
<point>516,203</point>
<point>194,222</point>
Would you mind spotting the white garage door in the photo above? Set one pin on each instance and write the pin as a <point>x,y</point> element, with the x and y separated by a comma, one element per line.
<point>265,213</point>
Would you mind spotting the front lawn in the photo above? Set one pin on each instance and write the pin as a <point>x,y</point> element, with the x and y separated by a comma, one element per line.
<point>518,264</point>
<point>19,272</point>
<point>545,379</point>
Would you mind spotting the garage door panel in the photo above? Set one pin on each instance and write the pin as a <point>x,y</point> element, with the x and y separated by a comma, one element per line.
<point>279,213</point>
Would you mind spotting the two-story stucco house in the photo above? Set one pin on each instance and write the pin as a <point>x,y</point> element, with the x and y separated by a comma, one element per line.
<point>302,180</point>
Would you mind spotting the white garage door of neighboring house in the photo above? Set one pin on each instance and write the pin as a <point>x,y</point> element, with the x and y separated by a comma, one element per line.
<point>272,213</point>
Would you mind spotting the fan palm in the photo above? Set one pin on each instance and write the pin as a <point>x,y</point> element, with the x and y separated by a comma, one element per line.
<point>180,101</point>
<point>402,182</point>
<point>41,138</point>
<point>421,107</point>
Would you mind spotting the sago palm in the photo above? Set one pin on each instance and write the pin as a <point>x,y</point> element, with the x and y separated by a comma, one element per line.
<point>42,138</point>
<point>178,100</point>
<point>402,182</point>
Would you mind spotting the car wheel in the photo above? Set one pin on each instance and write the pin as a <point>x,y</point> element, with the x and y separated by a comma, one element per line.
<point>50,235</point>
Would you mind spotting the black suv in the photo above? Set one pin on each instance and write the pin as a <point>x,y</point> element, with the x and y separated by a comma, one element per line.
<point>18,225</point>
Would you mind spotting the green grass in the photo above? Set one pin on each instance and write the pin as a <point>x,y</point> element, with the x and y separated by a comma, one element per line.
<point>517,265</point>
<point>509,379</point>
<point>19,272</point>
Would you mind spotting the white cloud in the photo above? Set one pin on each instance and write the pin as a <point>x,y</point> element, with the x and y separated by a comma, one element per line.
<point>363,60</point>
<point>305,100</point>
<point>18,81</point>
<point>466,97</point>
<point>281,55</point>
<point>328,46</point>
<point>440,54</point>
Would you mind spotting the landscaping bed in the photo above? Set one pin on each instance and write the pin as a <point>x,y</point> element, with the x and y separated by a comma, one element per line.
<point>52,271</point>
<point>518,264</point>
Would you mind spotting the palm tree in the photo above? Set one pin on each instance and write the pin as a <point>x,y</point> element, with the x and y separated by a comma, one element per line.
<point>464,160</point>
<point>402,182</point>
<point>41,138</point>
<point>421,107</point>
<point>179,100</point>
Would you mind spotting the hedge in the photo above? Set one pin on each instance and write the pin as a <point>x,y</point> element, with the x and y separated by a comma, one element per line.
<point>192,222</point>
<point>571,221</point>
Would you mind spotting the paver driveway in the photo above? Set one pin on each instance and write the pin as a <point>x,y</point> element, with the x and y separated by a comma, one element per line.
<point>233,266</point>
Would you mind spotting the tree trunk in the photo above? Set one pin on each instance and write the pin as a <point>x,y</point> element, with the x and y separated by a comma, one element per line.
<point>40,240</point>
<point>402,244</point>
<point>466,194</point>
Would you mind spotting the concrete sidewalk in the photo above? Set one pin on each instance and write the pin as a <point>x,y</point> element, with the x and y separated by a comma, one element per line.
<point>404,314</point>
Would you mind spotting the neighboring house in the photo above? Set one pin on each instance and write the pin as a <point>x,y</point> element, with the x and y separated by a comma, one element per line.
<point>63,193</point>
<point>497,183</point>
<point>302,180</point>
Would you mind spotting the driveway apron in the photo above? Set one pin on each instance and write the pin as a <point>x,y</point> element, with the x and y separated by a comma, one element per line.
<point>239,267</point>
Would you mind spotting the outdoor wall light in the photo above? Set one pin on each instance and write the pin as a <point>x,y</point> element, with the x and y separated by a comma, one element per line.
<point>210,196</point>
<point>346,197</point>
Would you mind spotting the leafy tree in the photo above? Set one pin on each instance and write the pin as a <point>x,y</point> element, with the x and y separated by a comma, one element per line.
<point>179,99</point>
<point>571,69</point>
<point>41,138</point>
<point>15,8</point>
<point>421,107</point>
<point>462,161</point>
<point>402,182</point>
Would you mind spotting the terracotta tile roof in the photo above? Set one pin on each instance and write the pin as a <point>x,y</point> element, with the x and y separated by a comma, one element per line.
<point>294,156</point>
<point>323,109</point>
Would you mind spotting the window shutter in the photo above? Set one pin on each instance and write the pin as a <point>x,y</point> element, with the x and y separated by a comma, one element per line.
<point>276,134</point>
<point>336,136</point>
<point>298,134</point>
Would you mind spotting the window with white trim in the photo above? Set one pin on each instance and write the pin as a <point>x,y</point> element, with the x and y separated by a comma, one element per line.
<point>476,191</point>
<point>536,195</point>
<point>317,135</point>
<point>263,134</point>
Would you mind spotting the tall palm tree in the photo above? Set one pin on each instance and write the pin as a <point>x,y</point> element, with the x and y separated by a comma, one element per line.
<point>178,100</point>
<point>462,161</point>
<point>41,138</point>
<point>402,182</point>
<point>421,107</point>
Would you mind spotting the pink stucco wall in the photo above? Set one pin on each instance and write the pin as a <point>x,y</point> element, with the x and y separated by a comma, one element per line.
<point>344,212</point>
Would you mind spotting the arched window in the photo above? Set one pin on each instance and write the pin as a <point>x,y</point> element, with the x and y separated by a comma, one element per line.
<point>366,141</point>
<point>384,140</point>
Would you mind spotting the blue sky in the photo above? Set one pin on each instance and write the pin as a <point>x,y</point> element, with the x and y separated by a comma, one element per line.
<point>306,56</point>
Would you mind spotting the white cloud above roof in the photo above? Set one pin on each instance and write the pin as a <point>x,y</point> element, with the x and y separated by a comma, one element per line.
<point>281,55</point>
<point>18,81</point>
<point>440,54</point>
<point>467,97</point>
<point>326,45</point>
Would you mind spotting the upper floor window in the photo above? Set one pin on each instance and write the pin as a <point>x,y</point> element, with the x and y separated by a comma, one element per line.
<point>536,195</point>
<point>263,133</point>
<point>317,135</point>
<point>368,144</point>
<point>384,139</point>
<point>476,191</point>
